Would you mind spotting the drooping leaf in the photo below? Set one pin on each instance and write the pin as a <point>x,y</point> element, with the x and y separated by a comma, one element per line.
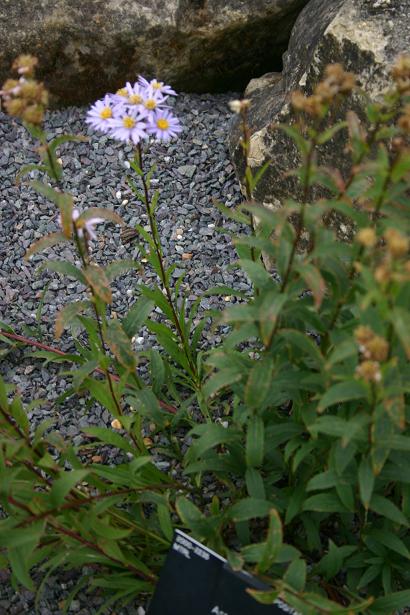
<point>341,392</point>
<point>120,345</point>
<point>67,314</point>
<point>98,281</point>
<point>48,241</point>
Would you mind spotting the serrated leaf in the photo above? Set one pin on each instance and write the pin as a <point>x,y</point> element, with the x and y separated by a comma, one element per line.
<point>120,345</point>
<point>98,281</point>
<point>47,241</point>
<point>67,314</point>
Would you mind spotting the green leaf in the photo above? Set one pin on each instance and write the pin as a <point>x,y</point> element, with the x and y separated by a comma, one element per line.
<point>137,315</point>
<point>64,484</point>
<point>254,484</point>
<point>341,392</point>
<point>258,383</point>
<point>48,241</point>
<point>264,596</point>
<point>249,508</point>
<point>295,574</point>
<point>65,268</point>
<point>222,379</point>
<point>273,542</point>
<point>120,345</point>
<point>391,541</point>
<point>324,502</point>
<point>255,442</point>
<point>67,314</point>
<point>27,168</point>
<point>366,481</point>
<point>303,342</point>
<point>400,319</point>
<point>108,436</point>
<point>165,523</point>
<point>314,280</point>
<point>116,268</point>
<point>387,604</point>
<point>384,507</point>
<point>257,274</point>
<point>98,281</point>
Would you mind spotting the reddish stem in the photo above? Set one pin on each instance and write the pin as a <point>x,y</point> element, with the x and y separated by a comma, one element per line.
<point>30,342</point>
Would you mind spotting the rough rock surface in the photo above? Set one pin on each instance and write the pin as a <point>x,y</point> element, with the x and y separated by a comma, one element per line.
<point>363,35</point>
<point>89,47</point>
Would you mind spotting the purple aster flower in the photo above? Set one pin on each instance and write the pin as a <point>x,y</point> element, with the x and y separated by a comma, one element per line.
<point>163,125</point>
<point>153,100</point>
<point>101,113</point>
<point>159,86</point>
<point>88,224</point>
<point>128,124</point>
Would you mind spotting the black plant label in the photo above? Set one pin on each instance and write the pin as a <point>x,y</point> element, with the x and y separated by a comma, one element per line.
<point>197,581</point>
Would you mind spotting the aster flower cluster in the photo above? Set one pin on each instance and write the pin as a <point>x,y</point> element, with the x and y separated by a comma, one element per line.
<point>136,112</point>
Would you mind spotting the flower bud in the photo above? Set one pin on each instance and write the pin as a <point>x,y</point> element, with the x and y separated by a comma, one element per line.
<point>377,349</point>
<point>25,64</point>
<point>115,424</point>
<point>237,106</point>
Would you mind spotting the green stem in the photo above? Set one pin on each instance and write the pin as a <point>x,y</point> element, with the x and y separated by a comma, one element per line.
<point>163,277</point>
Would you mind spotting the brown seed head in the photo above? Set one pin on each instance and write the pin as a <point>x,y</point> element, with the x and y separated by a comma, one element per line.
<point>15,106</point>
<point>363,334</point>
<point>382,273</point>
<point>401,74</point>
<point>33,114</point>
<point>25,64</point>
<point>367,237</point>
<point>369,371</point>
<point>377,349</point>
<point>397,244</point>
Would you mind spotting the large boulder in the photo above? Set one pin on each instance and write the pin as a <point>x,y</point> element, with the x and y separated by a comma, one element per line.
<point>89,47</point>
<point>365,36</point>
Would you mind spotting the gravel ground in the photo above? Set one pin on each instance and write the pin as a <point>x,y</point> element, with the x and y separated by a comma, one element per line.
<point>192,171</point>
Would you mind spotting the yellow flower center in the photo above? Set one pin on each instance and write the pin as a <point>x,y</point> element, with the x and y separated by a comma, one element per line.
<point>150,103</point>
<point>122,92</point>
<point>162,123</point>
<point>105,113</point>
<point>156,85</point>
<point>135,99</point>
<point>128,122</point>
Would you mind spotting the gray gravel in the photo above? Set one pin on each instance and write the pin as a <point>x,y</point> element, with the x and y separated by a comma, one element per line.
<point>192,171</point>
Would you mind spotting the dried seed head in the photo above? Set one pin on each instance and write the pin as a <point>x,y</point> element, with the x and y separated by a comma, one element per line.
<point>367,237</point>
<point>382,273</point>
<point>369,371</point>
<point>397,244</point>
<point>25,64</point>
<point>363,334</point>
<point>401,74</point>
<point>377,349</point>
